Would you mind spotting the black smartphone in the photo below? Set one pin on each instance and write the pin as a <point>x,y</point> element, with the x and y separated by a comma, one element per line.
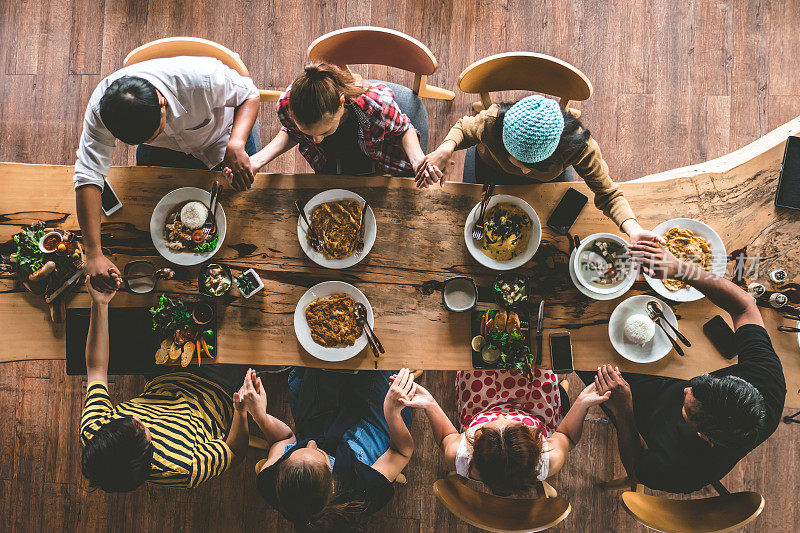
<point>788,193</point>
<point>561,352</point>
<point>110,201</point>
<point>566,212</point>
<point>721,336</point>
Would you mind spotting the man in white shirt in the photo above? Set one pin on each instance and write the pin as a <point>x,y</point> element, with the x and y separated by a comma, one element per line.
<point>183,112</point>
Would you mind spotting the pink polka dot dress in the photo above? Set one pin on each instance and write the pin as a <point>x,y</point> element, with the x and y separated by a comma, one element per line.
<point>483,395</point>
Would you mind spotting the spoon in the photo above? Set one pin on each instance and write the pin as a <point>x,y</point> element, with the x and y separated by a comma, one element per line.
<point>162,273</point>
<point>654,317</point>
<point>362,315</point>
<point>362,322</point>
<point>655,307</point>
<point>316,243</point>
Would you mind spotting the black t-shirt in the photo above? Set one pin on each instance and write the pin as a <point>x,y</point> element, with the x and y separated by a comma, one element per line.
<point>355,481</point>
<point>677,459</point>
<point>343,150</point>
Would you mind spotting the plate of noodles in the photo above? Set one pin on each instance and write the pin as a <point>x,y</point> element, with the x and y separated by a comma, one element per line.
<point>694,242</point>
<point>335,215</point>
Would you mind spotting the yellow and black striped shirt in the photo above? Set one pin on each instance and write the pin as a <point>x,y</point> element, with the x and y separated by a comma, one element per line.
<point>188,418</point>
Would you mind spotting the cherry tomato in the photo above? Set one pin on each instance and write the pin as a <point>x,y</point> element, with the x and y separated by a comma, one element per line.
<point>198,236</point>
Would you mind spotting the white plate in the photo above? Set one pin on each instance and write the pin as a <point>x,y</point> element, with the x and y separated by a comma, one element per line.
<point>658,347</point>
<point>370,229</point>
<point>303,331</point>
<point>719,260</point>
<point>159,217</point>
<point>798,333</point>
<point>533,243</point>
<point>591,294</point>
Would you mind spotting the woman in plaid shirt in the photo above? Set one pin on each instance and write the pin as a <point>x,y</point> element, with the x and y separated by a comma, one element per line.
<point>343,126</point>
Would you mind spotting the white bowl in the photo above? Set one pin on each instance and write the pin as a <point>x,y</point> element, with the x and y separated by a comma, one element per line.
<point>303,331</point>
<point>159,217</point>
<point>658,347</point>
<point>533,243</point>
<point>259,282</point>
<point>594,295</point>
<point>630,276</point>
<point>719,261</point>
<point>370,229</point>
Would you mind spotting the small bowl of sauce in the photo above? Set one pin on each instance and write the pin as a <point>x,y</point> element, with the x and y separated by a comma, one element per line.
<point>50,241</point>
<point>459,294</point>
<point>202,313</point>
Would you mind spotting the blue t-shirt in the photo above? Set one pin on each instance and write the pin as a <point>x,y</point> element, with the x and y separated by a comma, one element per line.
<point>366,440</point>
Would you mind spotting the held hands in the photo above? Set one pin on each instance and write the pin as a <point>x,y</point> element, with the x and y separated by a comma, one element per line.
<point>433,167</point>
<point>402,391</point>
<point>638,234</point>
<point>237,167</point>
<point>252,397</point>
<point>609,379</point>
<point>98,297</point>
<point>420,397</point>
<point>656,260</point>
<point>590,396</point>
<point>104,274</point>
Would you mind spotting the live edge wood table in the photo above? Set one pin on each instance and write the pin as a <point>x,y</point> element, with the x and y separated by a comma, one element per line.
<point>420,239</point>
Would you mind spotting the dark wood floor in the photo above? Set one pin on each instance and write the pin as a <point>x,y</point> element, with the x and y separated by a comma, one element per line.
<point>676,82</point>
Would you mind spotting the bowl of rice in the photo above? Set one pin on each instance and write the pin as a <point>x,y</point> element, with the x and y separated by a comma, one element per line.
<point>634,336</point>
<point>193,203</point>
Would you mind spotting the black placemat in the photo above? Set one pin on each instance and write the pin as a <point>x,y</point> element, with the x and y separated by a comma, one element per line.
<point>132,342</point>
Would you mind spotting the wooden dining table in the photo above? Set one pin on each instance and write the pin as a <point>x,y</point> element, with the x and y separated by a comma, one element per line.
<point>420,242</point>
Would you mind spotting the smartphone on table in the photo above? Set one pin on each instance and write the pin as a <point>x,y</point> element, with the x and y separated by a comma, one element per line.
<point>788,193</point>
<point>561,352</point>
<point>109,199</point>
<point>566,212</point>
<point>721,336</point>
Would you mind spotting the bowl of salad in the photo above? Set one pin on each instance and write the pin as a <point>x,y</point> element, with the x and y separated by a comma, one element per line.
<point>510,290</point>
<point>215,280</point>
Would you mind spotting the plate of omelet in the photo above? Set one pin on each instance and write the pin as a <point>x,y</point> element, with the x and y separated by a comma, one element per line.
<point>512,233</point>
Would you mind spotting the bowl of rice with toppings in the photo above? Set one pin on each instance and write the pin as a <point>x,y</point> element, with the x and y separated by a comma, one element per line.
<point>184,211</point>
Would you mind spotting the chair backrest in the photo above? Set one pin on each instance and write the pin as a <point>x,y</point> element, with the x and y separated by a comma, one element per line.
<point>375,46</point>
<point>495,513</point>
<point>704,515</point>
<point>187,46</point>
<point>195,46</point>
<point>525,71</point>
<point>372,45</point>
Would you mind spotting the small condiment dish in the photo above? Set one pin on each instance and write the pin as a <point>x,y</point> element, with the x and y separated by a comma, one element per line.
<point>49,235</point>
<point>256,277</point>
<point>463,284</point>
<point>202,313</point>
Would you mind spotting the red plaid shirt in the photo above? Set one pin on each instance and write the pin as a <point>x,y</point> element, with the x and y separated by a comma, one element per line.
<point>381,126</point>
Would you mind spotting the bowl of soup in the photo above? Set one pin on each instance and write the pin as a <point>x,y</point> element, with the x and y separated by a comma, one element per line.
<point>602,264</point>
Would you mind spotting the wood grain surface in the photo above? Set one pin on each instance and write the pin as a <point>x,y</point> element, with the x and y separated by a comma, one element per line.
<point>420,242</point>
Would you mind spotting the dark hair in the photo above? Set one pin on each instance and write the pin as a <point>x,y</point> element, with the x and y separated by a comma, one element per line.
<point>304,495</point>
<point>731,411</point>
<point>573,138</point>
<point>118,457</point>
<point>507,459</point>
<point>130,109</point>
<point>317,92</point>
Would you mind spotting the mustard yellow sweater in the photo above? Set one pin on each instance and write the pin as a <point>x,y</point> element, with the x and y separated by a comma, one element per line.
<point>588,163</point>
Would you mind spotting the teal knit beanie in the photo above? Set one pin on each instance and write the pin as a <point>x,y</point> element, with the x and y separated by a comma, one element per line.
<point>532,128</point>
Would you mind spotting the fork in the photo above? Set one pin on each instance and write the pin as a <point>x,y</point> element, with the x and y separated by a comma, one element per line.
<point>210,222</point>
<point>655,318</point>
<point>360,246</point>
<point>316,242</point>
<point>477,229</point>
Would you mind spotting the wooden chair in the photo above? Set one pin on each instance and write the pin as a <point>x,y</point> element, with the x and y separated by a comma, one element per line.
<point>495,513</point>
<point>380,46</point>
<point>715,514</point>
<point>524,71</point>
<point>194,46</point>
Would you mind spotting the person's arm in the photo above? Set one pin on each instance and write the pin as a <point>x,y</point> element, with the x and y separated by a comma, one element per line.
<point>401,444</point>
<point>238,439</point>
<point>659,262</point>
<point>280,144</point>
<point>97,338</point>
<point>570,430</point>
<point>236,158</point>
<point>629,441</point>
